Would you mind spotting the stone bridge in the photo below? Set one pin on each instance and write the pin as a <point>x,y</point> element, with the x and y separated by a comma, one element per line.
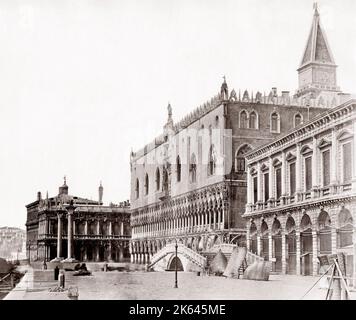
<point>188,259</point>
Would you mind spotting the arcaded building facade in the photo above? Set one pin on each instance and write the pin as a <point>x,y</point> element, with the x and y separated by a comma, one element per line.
<point>70,228</point>
<point>301,187</point>
<point>189,184</point>
<point>301,200</point>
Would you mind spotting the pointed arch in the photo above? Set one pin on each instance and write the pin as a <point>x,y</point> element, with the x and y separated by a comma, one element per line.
<point>193,168</point>
<point>212,161</point>
<point>243,116</point>
<point>158,179</point>
<point>298,119</point>
<point>147,184</point>
<point>253,120</point>
<point>137,188</point>
<point>165,182</point>
<point>179,169</point>
<point>275,123</point>
<point>240,162</point>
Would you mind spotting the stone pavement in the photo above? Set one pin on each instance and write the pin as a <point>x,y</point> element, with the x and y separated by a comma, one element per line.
<point>116,285</point>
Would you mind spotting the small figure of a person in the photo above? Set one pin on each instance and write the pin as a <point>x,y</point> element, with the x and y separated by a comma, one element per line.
<point>44,264</point>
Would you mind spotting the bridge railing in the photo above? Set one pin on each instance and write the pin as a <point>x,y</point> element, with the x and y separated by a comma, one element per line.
<point>183,250</point>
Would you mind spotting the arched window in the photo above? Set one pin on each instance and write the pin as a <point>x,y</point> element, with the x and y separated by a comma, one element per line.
<point>278,177</point>
<point>212,161</point>
<point>193,169</point>
<point>217,121</point>
<point>253,120</point>
<point>179,169</point>
<point>307,154</point>
<point>147,184</point>
<point>165,180</point>
<point>158,179</point>
<point>243,120</point>
<point>275,123</point>
<point>240,165</point>
<point>298,119</point>
<point>137,189</point>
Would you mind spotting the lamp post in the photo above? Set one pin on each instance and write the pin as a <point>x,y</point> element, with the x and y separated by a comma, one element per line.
<point>176,267</point>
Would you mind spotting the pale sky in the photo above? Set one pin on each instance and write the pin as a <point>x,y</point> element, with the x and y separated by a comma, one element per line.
<point>83,82</point>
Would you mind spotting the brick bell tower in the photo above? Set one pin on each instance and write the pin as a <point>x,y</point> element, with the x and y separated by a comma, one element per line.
<point>317,70</point>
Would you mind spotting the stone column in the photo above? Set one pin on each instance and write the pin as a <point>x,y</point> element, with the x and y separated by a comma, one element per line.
<point>98,227</point>
<point>315,253</point>
<point>248,237</point>
<point>74,228</point>
<point>97,253</point>
<point>219,217</point>
<point>258,244</point>
<point>70,210</point>
<point>86,227</point>
<point>109,252</point>
<point>270,246</point>
<point>297,238</point>
<point>59,237</point>
<point>85,258</point>
<point>284,263</point>
<point>110,229</point>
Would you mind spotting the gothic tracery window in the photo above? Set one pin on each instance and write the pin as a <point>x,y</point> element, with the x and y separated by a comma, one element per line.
<point>275,123</point>
<point>240,164</point>
<point>298,120</point>
<point>137,189</point>
<point>193,169</point>
<point>158,179</point>
<point>147,182</point>
<point>243,120</point>
<point>253,120</point>
<point>212,161</point>
<point>179,169</point>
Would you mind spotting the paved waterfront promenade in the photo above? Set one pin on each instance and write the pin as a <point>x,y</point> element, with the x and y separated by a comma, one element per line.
<point>159,286</point>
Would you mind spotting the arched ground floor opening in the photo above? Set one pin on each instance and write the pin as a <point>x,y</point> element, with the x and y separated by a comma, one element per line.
<point>173,262</point>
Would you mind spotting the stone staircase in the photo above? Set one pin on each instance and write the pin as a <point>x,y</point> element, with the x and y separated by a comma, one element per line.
<point>188,253</point>
<point>227,249</point>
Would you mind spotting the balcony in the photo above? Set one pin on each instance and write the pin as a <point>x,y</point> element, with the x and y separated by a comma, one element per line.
<point>84,237</point>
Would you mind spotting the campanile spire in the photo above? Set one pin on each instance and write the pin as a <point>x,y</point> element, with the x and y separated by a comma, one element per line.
<point>317,70</point>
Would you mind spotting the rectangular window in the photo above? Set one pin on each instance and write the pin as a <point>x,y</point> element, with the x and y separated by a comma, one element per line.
<point>347,162</point>
<point>266,185</point>
<point>279,182</point>
<point>255,188</point>
<point>326,168</point>
<point>292,181</point>
<point>308,173</point>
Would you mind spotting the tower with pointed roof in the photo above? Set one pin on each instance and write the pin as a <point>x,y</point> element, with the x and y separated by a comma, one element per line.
<point>317,70</point>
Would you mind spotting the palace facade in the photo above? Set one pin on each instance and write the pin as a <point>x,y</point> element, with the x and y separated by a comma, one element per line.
<point>301,200</point>
<point>73,228</point>
<point>189,184</point>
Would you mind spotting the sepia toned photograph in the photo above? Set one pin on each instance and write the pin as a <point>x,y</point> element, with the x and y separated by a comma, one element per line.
<point>178,150</point>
